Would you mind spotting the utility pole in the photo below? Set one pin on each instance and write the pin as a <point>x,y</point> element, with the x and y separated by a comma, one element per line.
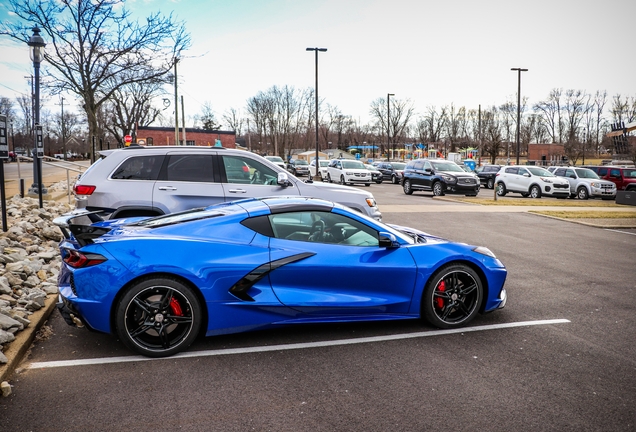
<point>183,122</point>
<point>176,105</point>
<point>63,129</point>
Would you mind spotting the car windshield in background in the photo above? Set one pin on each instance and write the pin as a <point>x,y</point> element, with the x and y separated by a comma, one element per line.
<point>540,172</point>
<point>352,165</point>
<point>446,166</point>
<point>274,158</point>
<point>398,165</point>
<point>586,173</point>
<point>301,162</point>
<point>631,173</point>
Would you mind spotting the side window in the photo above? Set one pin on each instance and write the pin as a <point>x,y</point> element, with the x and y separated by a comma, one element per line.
<point>192,168</point>
<point>512,170</point>
<point>568,173</point>
<point>427,165</point>
<point>322,227</point>
<point>602,172</point>
<point>245,170</point>
<point>139,168</point>
<point>615,173</point>
<point>560,172</point>
<point>418,165</point>
<point>523,171</point>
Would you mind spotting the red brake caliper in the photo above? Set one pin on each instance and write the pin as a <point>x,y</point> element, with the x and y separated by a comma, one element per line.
<point>175,307</point>
<point>439,302</point>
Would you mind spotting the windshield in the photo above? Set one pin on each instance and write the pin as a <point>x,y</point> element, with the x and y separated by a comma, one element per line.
<point>324,163</point>
<point>301,162</point>
<point>540,172</point>
<point>274,158</point>
<point>352,165</point>
<point>398,165</point>
<point>446,166</point>
<point>586,173</point>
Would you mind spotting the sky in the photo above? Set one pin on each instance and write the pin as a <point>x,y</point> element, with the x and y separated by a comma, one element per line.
<point>433,53</point>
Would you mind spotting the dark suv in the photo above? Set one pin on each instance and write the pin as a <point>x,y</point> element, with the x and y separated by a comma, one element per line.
<point>439,176</point>
<point>623,178</point>
<point>487,174</point>
<point>298,167</point>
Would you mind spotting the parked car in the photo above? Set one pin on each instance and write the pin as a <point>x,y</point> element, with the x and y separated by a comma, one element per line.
<point>531,181</point>
<point>623,178</point>
<point>348,171</point>
<point>376,175</point>
<point>584,183</point>
<point>298,167</point>
<point>323,169</point>
<point>244,266</point>
<point>439,176</point>
<point>277,160</point>
<point>391,171</point>
<point>487,174</point>
<point>150,181</point>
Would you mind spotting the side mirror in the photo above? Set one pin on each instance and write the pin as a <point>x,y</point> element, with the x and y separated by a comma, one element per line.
<point>387,240</point>
<point>526,175</point>
<point>283,180</point>
<point>427,171</point>
<point>572,176</point>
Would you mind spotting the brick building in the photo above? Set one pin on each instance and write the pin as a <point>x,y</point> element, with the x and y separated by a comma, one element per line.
<point>161,136</point>
<point>546,154</point>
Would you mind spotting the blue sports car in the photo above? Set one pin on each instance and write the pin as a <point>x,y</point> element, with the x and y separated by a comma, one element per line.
<point>159,282</point>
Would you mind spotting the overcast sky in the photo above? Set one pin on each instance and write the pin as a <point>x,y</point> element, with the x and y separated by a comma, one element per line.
<point>432,52</point>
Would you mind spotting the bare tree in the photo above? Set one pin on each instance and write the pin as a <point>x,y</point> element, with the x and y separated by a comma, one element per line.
<point>94,48</point>
<point>493,137</point>
<point>206,118</point>
<point>234,120</point>
<point>455,126</point>
<point>400,115</point>
<point>551,115</point>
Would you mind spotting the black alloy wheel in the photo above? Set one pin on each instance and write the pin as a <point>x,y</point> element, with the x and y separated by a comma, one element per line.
<point>438,189</point>
<point>158,317</point>
<point>452,297</point>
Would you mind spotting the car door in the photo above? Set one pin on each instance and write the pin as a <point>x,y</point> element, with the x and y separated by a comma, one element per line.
<point>187,181</point>
<point>347,274</point>
<point>244,177</point>
<point>416,173</point>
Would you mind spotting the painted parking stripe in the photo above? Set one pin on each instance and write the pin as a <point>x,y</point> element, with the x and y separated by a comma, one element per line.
<point>248,350</point>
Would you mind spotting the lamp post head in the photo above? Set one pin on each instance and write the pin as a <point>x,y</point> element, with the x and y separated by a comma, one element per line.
<point>37,43</point>
<point>317,49</point>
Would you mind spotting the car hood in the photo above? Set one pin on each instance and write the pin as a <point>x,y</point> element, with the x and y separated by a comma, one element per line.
<point>462,174</point>
<point>338,188</point>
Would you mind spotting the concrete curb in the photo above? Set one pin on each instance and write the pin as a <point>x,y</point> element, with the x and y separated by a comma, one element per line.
<point>17,350</point>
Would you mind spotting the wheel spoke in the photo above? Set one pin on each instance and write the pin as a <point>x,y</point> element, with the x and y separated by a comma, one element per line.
<point>179,319</point>
<point>141,329</point>
<point>468,290</point>
<point>165,301</point>
<point>146,307</point>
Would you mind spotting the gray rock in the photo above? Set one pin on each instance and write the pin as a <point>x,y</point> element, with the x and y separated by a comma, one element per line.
<point>6,337</point>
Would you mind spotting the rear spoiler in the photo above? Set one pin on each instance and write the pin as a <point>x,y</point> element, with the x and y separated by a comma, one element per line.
<point>83,233</point>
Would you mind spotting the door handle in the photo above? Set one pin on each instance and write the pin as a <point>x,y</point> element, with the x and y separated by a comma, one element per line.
<point>237,191</point>
<point>167,188</point>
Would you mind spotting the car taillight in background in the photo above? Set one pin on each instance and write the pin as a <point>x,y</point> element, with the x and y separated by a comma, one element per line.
<point>83,189</point>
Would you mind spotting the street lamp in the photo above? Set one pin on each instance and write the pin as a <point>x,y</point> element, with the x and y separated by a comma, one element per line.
<point>317,147</point>
<point>388,121</point>
<point>519,70</point>
<point>37,53</point>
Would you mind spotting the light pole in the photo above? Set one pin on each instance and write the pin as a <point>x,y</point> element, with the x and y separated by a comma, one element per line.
<point>519,70</point>
<point>317,147</point>
<point>388,122</point>
<point>37,53</point>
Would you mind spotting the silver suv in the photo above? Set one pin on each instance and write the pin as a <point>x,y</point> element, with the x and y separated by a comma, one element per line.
<point>530,181</point>
<point>584,183</point>
<point>148,181</point>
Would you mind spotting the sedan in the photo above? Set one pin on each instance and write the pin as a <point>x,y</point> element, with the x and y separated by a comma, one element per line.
<point>157,283</point>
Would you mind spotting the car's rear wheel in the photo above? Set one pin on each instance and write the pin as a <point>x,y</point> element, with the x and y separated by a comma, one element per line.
<point>582,194</point>
<point>438,189</point>
<point>490,184</point>
<point>501,189</point>
<point>342,180</point>
<point>394,179</point>
<point>158,317</point>
<point>452,297</point>
<point>367,184</point>
<point>379,181</point>
<point>407,187</point>
<point>535,192</point>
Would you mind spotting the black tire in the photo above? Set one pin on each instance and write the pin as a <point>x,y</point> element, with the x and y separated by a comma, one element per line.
<point>501,189</point>
<point>342,179</point>
<point>379,181</point>
<point>452,297</point>
<point>407,187</point>
<point>367,184</point>
<point>582,194</point>
<point>329,178</point>
<point>525,194</point>
<point>394,179</point>
<point>535,191</point>
<point>490,184</point>
<point>158,317</point>
<point>438,189</point>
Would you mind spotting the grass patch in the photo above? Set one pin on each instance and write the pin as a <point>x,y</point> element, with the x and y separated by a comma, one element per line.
<point>542,202</point>
<point>564,214</point>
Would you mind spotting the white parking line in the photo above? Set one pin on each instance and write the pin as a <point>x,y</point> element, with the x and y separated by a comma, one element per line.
<point>247,350</point>
<point>621,231</point>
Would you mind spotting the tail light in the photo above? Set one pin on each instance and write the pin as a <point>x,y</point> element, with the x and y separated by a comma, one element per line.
<point>77,259</point>
<point>83,189</point>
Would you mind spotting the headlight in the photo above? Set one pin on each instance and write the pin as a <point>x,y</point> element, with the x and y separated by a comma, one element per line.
<point>484,251</point>
<point>349,173</point>
<point>595,185</point>
<point>371,202</point>
<point>545,179</point>
<point>449,179</point>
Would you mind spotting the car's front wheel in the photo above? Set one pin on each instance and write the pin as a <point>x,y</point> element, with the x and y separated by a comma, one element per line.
<point>535,192</point>
<point>582,194</point>
<point>342,180</point>
<point>329,178</point>
<point>394,179</point>
<point>438,189</point>
<point>407,187</point>
<point>158,317</point>
<point>452,297</point>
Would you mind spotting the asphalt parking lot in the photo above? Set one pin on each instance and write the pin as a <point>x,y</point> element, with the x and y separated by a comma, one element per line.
<point>560,356</point>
